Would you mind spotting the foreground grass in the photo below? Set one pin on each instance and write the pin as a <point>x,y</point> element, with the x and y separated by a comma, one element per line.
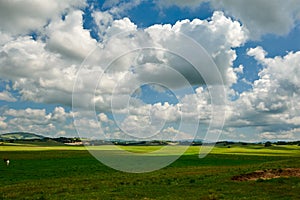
<point>63,172</point>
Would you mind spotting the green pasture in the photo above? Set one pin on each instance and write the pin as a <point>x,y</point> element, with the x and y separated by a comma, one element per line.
<point>41,171</point>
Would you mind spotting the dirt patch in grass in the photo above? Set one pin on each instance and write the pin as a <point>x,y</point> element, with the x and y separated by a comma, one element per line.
<point>268,174</point>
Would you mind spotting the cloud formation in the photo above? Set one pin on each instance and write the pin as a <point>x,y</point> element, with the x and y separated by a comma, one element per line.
<point>259,16</point>
<point>37,121</point>
<point>272,104</point>
<point>45,70</point>
<point>43,46</point>
<point>6,96</point>
<point>21,17</point>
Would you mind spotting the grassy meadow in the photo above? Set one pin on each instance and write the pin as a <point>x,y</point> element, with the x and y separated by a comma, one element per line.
<point>43,171</point>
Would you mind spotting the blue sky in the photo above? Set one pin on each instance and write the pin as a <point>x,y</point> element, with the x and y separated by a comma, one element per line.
<point>60,60</point>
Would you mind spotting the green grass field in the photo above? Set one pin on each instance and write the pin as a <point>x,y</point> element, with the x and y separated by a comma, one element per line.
<point>39,171</point>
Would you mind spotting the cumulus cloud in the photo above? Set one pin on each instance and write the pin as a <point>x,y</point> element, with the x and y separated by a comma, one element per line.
<point>286,135</point>
<point>173,134</point>
<point>6,96</point>
<point>35,114</point>
<point>263,16</point>
<point>68,38</point>
<point>239,70</point>
<point>37,74</point>
<point>259,16</point>
<point>136,66</point>
<point>271,106</point>
<point>147,121</point>
<point>38,121</point>
<point>44,71</point>
<point>3,124</point>
<point>60,115</point>
<point>45,68</point>
<point>217,36</point>
<point>160,120</point>
<point>21,17</point>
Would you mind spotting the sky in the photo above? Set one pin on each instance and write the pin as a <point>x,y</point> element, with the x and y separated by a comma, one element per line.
<point>151,69</point>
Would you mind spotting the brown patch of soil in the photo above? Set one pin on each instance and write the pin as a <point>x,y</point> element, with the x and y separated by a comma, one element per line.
<point>268,174</point>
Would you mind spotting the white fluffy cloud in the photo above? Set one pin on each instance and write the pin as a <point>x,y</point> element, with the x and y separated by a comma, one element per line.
<point>44,69</point>
<point>37,121</point>
<point>21,17</point>
<point>272,105</point>
<point>29,113</point>
<point>156,121</point>
<point>3,124</point>
<point>68,38</point>
<point>218,36</point>
<point>259,16</point>
<point>263,16</point>
<point>286,135</point>
<point>37,74</point>
<point>6,96</point>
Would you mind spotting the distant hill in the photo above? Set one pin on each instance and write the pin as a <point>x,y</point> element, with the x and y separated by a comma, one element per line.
<point>32,137</point>
<point>21,136</point>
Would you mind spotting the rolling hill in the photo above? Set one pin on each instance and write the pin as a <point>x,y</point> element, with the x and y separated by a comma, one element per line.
<point>20,136</point>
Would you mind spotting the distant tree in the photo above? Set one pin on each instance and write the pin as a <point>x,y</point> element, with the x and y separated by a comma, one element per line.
<point>281,143</point>
<point>268,144</point>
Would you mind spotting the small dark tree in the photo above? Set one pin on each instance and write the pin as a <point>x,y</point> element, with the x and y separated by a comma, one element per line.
<point>268,144</point>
